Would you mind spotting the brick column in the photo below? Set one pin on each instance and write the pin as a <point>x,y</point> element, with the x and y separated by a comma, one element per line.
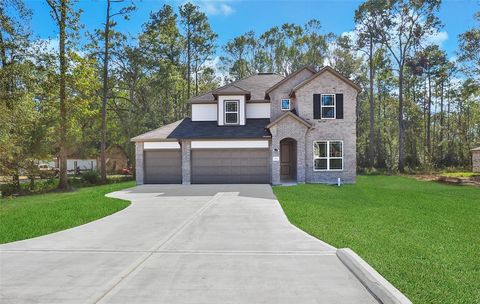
<point>139,162</point>
<point>186,162</point>
<point>275,152</point>
<point>301,161</point>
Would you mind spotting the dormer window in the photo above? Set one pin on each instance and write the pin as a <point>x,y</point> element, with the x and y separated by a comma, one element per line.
<point>285,104</point>
<point>231,112</point>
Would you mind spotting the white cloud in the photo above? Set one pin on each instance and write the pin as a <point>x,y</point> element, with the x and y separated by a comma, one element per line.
<point>213,8</point>
<point>48,45</point>
<point>351,34</point>
<point>215,64</point>
<point>437,38</point>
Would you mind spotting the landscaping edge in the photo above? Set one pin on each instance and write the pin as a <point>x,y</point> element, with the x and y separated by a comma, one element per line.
<point>382,289</point>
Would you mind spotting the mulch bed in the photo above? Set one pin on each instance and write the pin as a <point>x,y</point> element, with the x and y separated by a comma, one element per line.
<point>471,181</point>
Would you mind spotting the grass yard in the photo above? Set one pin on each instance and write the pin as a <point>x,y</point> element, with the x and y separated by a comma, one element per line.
<point>30,216</point>
<point>424,237</point>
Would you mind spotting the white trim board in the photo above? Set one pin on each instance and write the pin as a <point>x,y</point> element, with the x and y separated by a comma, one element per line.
<point>230,144</point>
<point>154,145</point>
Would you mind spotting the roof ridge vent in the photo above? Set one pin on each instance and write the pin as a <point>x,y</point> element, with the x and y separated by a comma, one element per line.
<point>266,73</point>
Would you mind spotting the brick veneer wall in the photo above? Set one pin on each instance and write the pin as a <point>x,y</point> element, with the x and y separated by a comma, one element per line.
<point>139,163</point>
<point>186,162</point>
<point>330,129</point>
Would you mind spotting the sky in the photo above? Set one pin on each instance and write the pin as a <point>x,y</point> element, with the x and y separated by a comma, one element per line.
<point>230,18</point>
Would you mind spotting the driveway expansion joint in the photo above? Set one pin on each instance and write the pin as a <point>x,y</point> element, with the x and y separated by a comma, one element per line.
<point>137,265</point>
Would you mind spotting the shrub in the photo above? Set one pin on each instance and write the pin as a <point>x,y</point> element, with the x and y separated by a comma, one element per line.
<point>9,189</point>
<point>113,179</point>
<point>91,177</point>
<point>25,188</point>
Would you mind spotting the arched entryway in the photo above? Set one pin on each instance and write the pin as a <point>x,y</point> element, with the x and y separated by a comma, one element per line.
<point>288,160</point>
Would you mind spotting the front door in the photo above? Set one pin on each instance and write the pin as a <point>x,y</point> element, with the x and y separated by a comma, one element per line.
<point>286,159</point>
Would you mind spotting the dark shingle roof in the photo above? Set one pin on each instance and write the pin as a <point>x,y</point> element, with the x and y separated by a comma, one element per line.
<point>158,134</point>
<point>256,84</point>
<point>230,89</point>
<point>188,129</point>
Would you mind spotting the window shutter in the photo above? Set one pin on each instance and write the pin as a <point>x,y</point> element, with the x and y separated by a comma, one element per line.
<point>339,105</point>
<point>316,106</point>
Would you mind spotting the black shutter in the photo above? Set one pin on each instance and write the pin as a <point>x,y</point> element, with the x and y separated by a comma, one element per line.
<point>339,105</point>
<point>316,106</point>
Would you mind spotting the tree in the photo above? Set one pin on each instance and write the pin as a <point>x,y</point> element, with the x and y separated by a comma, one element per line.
<point>430,61</point>
<point>199,39</point>
<point>400,26</point>
<point>240,55</point>
<point>107,35</point>
<point>366,41</point>
<point>66,18</point>
<point>469,48</point>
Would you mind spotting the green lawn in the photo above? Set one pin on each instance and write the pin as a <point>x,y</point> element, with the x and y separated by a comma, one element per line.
<point>424,237</point>
<point>30,216</point>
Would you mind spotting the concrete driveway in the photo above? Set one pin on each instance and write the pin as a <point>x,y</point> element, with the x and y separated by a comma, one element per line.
<point>181,244</point>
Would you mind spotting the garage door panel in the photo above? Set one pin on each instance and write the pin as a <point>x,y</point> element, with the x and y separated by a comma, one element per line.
<point>230,166</point>
<point>163,167</point>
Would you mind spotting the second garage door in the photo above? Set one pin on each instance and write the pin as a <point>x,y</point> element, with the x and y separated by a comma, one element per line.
<point>230,166</point>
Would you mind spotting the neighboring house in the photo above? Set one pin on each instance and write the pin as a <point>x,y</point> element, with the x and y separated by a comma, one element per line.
<point>476,159</point>
<point>115,158</point>
<point>265,128</point>
<point>74,161</point>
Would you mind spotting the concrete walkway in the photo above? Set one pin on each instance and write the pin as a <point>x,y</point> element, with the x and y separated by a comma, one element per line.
<point>181,244</point>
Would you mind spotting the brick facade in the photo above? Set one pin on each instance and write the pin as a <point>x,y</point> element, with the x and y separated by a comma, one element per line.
<point>322,129</point>
<point>186,162</point>
<point>288,128</point>
<point>139,162</point>
<point>283,91</point>
<point>330,129</point>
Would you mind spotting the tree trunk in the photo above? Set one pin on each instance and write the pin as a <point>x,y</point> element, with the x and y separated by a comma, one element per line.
<point>401,125</point>
<point>371,149</point>
<point>441,120</point>
<point>103,163</point>
<point>63,183</point>
<point>188,57</point>
<point>429,119</point>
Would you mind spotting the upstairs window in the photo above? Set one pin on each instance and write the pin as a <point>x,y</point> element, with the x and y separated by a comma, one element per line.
<point>285,104</point>
<point>328,155</point>
<point>231,112</point>
<point>328,106</point>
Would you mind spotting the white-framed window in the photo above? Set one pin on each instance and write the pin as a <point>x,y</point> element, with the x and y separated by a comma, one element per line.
<point>285,104</point>
<point>328,155</point>
<point>328,106</point>
<point>231,112</point>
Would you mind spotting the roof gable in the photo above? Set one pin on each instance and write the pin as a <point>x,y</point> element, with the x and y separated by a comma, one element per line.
<point>290,76</point>
<point>230,89</point>
<point>289,114</point>
<point>323,70</point>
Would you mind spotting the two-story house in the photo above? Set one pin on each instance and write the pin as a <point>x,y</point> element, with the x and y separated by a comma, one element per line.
<point>265,128</point>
